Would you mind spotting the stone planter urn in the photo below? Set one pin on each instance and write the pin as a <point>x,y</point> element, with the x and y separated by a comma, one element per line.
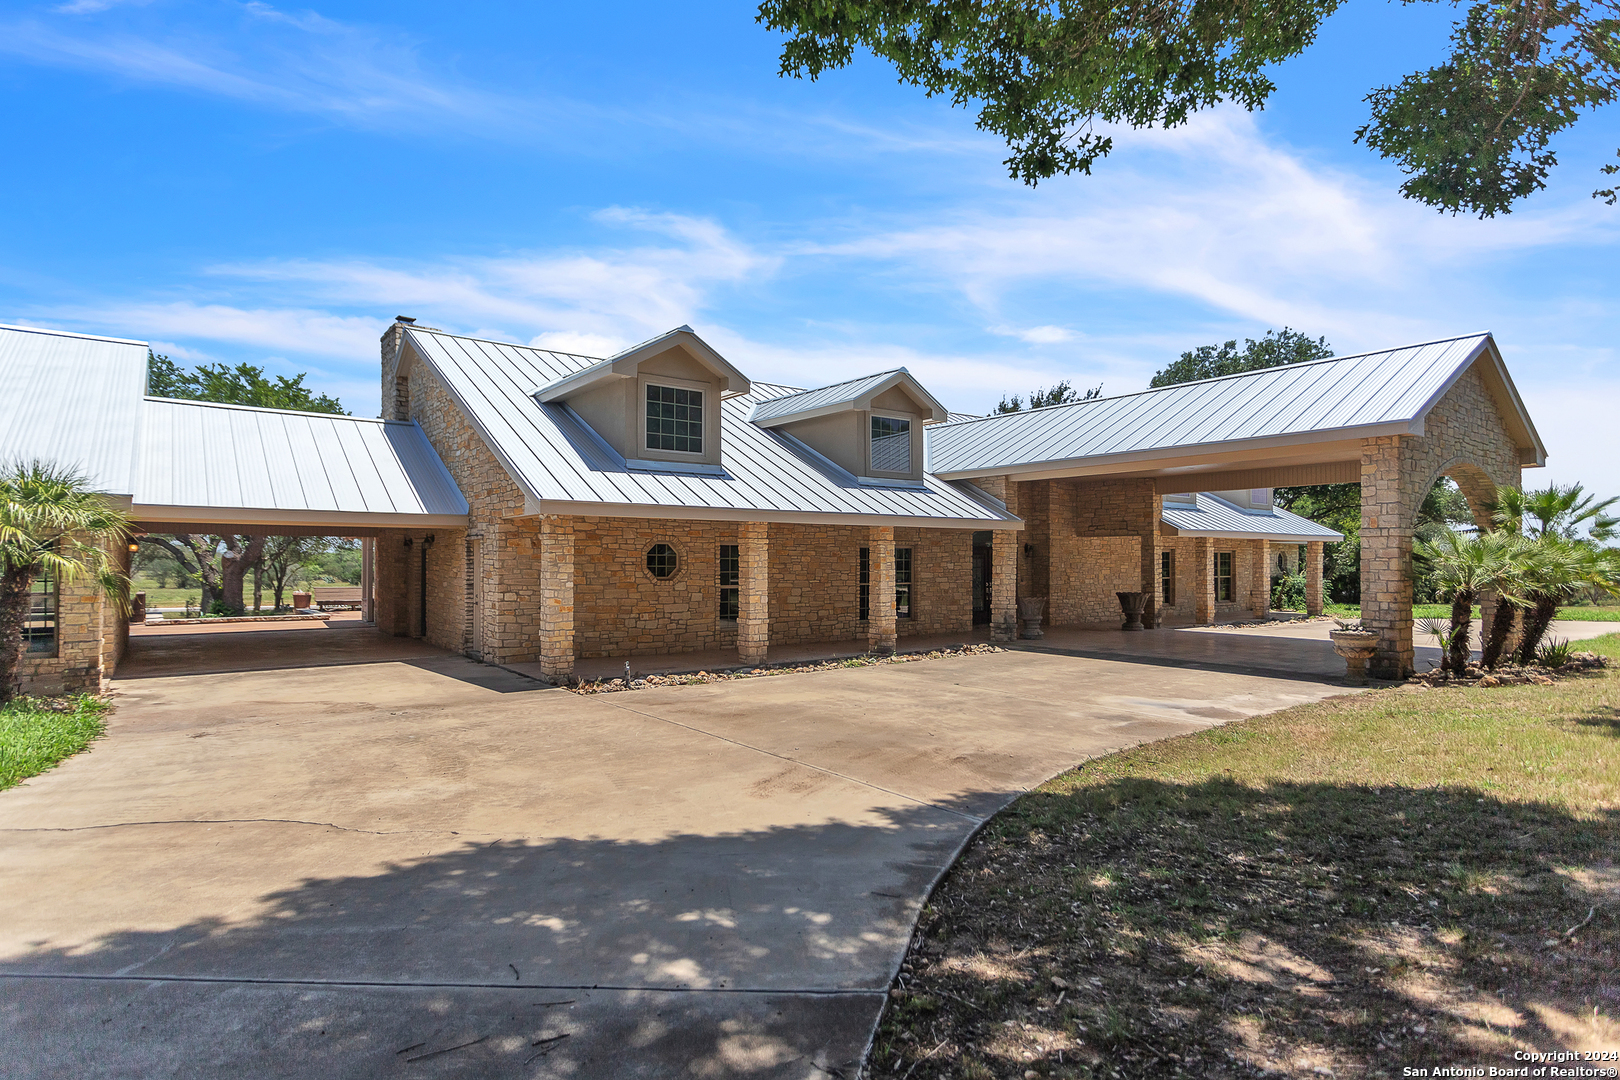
<point>1357,647</point>
<point>1133,604</point>
<point>1030,610</point>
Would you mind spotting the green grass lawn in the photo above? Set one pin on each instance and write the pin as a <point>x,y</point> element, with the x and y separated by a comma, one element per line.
<point>1580,613</point>
<point>1400,878</point>
<point>37,733</point>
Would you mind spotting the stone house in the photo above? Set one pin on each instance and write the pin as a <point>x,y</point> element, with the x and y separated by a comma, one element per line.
<point>527,506</point>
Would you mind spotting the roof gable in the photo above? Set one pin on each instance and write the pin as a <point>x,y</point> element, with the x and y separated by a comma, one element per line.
<point>625,365</point>
<point>853,394</point>
<point>1378,393</point>
<point>73,399</point>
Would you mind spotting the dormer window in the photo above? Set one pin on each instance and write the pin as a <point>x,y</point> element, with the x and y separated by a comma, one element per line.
<point>674,419</point>
<point>891,444</point>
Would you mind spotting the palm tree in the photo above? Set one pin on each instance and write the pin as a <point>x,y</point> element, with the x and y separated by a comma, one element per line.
<point>1512,598</point>
<point>1462,567</point>
<point>1556,512</point>
<point>50,522</point>
<point>1554,571</point>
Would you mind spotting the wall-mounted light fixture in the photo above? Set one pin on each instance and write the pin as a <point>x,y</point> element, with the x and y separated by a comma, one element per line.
<point>1029,549</point>
<point>407,541</point>
<point>429,540</point>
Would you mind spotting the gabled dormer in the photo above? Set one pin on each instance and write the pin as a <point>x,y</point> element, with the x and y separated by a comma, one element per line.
<point>871,427</point>
<point>657,403</point>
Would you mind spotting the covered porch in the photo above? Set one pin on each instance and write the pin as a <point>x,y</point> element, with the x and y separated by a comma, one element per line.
<point>1091,479</point>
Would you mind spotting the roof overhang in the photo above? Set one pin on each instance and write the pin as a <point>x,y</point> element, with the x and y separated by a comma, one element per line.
<point>625,364</point>
<point>249,519</point>
<point>934,412</point>
<point>666,512</point>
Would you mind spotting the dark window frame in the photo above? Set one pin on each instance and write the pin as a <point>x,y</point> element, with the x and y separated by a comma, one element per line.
<point>864,605</point>
<point>903,567</point>
<point>673,421</point>
<point>1167,577</point>
<point>662,561</point>
<point>1225,579</point>
<point>42,624</point>
<point>730,582</point>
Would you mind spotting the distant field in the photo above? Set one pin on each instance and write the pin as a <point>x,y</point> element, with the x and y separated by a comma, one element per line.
<point>1577,613</point>
<point>166,598</point>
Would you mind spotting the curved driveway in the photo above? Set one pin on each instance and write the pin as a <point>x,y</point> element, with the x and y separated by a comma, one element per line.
<point>328,853</point>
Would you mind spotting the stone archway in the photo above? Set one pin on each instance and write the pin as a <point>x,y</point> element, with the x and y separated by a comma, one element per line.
<point>1464,437</point>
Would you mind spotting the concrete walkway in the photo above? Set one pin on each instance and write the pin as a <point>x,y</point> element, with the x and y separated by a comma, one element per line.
<point>323,852</point>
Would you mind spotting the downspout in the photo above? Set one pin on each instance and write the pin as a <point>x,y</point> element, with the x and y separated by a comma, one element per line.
<point>426,543</point>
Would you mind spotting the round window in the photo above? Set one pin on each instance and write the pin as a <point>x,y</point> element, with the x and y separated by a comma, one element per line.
<point>662,562</point>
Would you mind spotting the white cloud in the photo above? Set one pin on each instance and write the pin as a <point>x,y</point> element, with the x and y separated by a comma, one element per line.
<point>1036,335</point>
<point>1215,214</point>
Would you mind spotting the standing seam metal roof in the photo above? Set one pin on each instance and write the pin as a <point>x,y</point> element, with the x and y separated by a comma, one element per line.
<point>1394,386</point>
<point>798,401</point>
<point>1210,515</point>
<point>72,399</point>
<point>555,457</point>
<point>199,454</point>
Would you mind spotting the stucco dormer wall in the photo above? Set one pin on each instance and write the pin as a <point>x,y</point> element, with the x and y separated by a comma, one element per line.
<point>616,408</point>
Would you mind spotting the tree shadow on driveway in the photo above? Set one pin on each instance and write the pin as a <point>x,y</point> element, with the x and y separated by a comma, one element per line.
<point>761,953</point>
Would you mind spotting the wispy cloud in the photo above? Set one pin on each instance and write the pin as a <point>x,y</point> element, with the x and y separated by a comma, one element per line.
<point>300,62</point>
<point>1214,213</point>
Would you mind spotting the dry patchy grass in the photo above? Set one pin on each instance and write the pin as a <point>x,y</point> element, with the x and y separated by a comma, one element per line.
<point>1345,888</point>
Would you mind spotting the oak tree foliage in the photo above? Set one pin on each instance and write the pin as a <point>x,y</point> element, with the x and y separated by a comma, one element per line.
<point>1472,132</point>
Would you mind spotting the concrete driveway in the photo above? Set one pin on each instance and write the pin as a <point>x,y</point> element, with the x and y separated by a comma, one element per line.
<point>328,853</point>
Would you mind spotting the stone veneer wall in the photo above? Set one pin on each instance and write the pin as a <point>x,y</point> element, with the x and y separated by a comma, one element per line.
<point>1464,437</point>
<point>814,585</point>
<point>1189,567</point>
<point>81,644</point>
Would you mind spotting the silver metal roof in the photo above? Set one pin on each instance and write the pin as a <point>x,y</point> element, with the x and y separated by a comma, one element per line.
<point>72,399</point>
<point>1372,393</point>
<point>197,454</point>
<point>1211,515</point>
<point>565,468</point>
<point>804,403</point>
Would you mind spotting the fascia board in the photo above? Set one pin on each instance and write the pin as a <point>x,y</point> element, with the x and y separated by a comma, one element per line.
<point>1500,384</point>
<point>662,512</point>
<point>248,516</point>
<point>807,414</point>
<point>1058,465</point>
<point>579,380</point>
<point>1281,538</point>
<point>625,363</point>
<point>937,412</point>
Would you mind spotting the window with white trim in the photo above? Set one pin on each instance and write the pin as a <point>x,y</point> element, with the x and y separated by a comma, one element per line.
<point>891,444</point>
<point>674,419</point>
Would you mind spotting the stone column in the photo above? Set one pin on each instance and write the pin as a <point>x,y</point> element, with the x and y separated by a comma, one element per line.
<point>753,592</point>
<point>368,579</point>
<point>391,589</point>
<point>556,597</point>
<point>1203,580</point>
<point>1260,581</point>
<point>881,630</point>
<point>1004,549</point>
<point>1386,554</point>
<point>1313,577</point>
<point>1150,557</point>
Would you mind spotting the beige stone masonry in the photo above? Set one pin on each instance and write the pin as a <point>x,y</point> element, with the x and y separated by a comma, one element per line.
<point>880,627</point>
<point>1313,577</point>
<point>1260,578</point>
<point>1464,437</point>
<point>753,592</point>
<point>556,597</point>
<point>1202,578</point>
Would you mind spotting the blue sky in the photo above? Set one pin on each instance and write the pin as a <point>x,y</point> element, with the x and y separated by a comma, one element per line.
<point>239,181</point>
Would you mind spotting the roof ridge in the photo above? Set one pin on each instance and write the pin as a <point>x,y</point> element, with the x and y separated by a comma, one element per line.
<point>509,344</point>
<point>71,334</point>
<point>278,412</point>
<point>1218,378</point>
<point>856,379</point>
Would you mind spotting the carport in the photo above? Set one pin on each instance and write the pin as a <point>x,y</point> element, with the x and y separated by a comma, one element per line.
<point>202,467</point>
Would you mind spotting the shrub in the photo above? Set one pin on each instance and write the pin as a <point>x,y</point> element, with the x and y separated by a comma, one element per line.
<point>1554,654</point>
<point>1288,592</point>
